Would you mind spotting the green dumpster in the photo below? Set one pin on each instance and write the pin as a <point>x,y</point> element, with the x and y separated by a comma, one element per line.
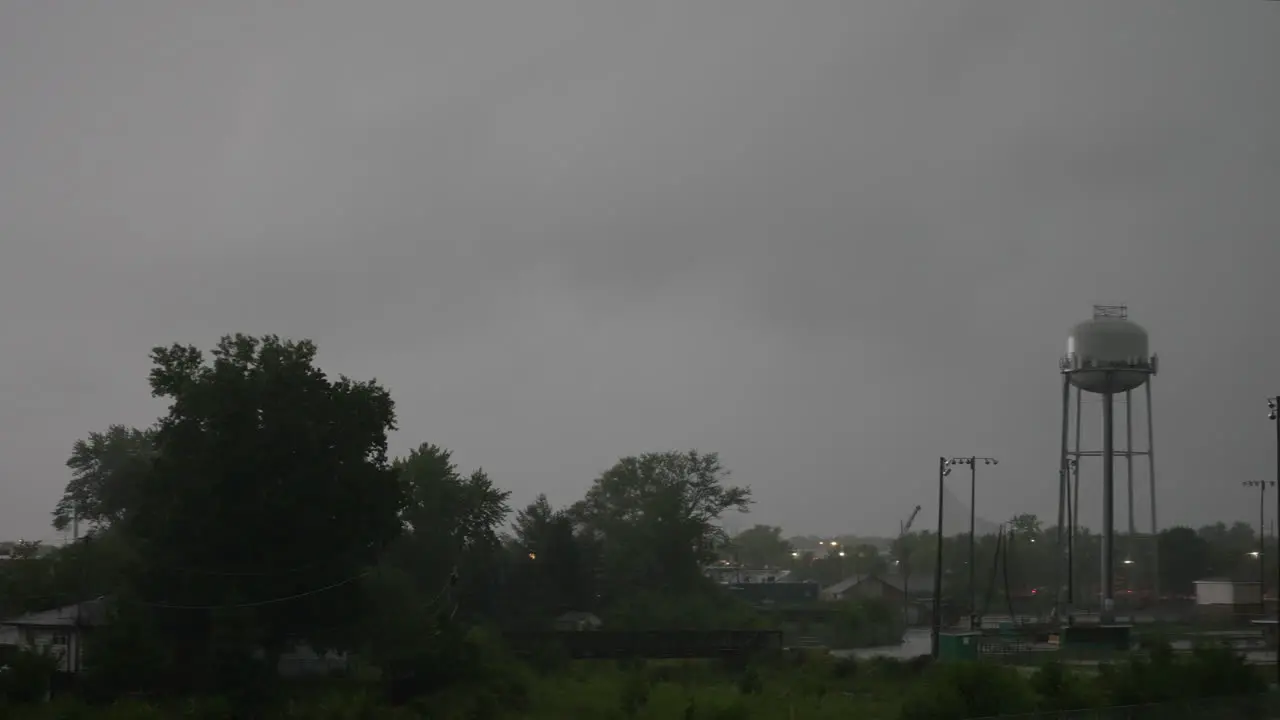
<point>958,646</point>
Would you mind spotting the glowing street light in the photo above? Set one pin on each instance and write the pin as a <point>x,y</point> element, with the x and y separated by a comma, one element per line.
<point>1262,486</point>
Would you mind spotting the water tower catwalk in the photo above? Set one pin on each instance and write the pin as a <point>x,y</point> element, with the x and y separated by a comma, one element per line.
<point>1108,356</point>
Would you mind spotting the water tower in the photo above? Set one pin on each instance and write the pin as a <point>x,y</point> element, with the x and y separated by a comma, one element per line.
<point>1107,355</point>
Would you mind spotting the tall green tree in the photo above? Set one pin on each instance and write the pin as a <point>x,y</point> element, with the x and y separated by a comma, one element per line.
<point>657,518</point>
<point>450,542</point>
<point>444,571</point>
<point>1185,557</point>
<point>761,546</point>
<point>1026,525</point>
<point>864,559</point>
<point>552,567</point>
<point>107,469</point>
<point>269,496</point>
<point>1231,550</point>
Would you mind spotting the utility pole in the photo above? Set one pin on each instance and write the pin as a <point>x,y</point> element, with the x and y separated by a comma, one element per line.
<point>1273,414</point>
<point>936,635</point>
<point>1262,537</point>
<point>972,462</point>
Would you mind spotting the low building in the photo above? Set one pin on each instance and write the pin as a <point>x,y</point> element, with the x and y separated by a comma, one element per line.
<point>863,586</point>
<point>875,585</point>
<point>1225,598</point>
<point>775,593</point>
<point>577,621</point>
<point>889,587</point>
<point>60,631</point>
<point>726,573</point>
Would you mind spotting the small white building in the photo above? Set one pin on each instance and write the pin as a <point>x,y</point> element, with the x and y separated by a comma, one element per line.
<point>1223,592</point>
<point>59,631</point>
<point>725,573</point>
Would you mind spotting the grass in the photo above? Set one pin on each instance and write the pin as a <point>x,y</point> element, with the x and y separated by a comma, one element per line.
<point>797,685</point>
<point>819,689</point>
<point>803,686</point>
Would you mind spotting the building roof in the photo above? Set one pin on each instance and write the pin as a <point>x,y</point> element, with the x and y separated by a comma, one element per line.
<point>916,583</point>
<point>1225,581</point>
<point>578,616</point>
<point>90,613</point>
<point>846,584</point>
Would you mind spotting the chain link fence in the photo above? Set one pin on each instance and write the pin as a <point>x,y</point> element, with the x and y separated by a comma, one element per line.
<point>1251,707</point>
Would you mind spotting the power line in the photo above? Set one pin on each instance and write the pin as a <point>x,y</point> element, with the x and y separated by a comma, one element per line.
<point>211,572</point>
<point>260,603</point>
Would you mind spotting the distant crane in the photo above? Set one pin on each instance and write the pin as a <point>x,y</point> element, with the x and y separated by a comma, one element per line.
<point>904,571</point>
<point>905,527</point>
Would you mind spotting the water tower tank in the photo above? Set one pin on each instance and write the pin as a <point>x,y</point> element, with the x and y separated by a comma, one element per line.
<point>1108,353</point>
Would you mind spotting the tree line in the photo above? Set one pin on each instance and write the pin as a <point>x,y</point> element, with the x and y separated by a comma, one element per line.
<point>262,510</point>
<point>1165,566</point>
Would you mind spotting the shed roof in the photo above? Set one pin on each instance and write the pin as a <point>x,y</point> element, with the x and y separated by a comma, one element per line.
<point>1225,581</point>
<point>91,613</point>
<point>917,584</point>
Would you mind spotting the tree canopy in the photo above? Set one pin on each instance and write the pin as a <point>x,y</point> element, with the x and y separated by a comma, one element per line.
<point>269,494</point>
<point>106,471</point>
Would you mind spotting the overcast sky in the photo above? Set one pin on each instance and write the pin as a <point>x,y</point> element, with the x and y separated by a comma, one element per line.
<point>829,240</point>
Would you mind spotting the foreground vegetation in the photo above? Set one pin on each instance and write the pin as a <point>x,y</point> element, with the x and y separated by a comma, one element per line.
<point>804,685</point>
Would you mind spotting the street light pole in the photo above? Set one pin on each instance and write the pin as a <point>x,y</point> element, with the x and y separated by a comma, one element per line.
<point>972,462</point>
<point>1273,414</point>
<point>936,635</point>
<point>1262,537</point>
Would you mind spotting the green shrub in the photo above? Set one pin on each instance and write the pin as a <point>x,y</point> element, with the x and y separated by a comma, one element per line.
<point>1060,689</point>
<point>27,676</point>
<point>733,710</point>
<point>550,658</point>
<point>635,692</point>
<point>845,668</point>
<point>1219,672</point>
<point>954,691</point>
<point>750,683</point>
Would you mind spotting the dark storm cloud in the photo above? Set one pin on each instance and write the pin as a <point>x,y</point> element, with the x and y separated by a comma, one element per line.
<point>831,240</point>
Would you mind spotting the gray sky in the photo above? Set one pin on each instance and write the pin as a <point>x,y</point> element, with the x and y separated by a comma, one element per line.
<point>830,240</point>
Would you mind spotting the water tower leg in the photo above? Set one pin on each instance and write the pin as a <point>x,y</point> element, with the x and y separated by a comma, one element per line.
<point>1128,453</point>
<point>1063,538</point>
<point>1151,481</point>
<point>1131,540</point>
<point>1108,506</point>
<point>1075,483</point>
